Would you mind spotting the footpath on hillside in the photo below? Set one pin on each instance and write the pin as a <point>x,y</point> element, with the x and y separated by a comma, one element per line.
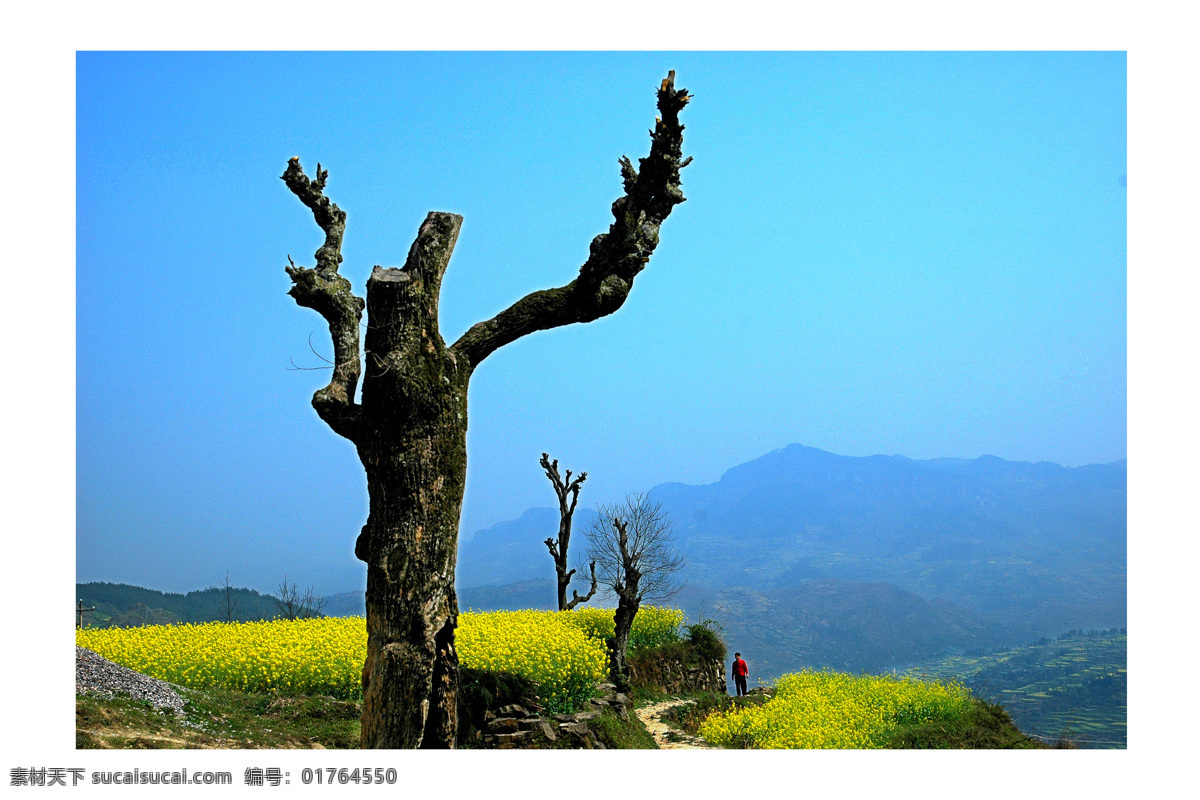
<point>651,717</point>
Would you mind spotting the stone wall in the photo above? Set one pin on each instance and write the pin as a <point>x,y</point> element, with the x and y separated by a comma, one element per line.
<point>675,674</point>
<point>516,727</point>
<point>520,726</point>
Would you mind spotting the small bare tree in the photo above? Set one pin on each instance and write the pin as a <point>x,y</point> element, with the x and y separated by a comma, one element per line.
<point>633,545</point>
<point>568,495</point>
<point>294,604</point>
<point>229,599</point>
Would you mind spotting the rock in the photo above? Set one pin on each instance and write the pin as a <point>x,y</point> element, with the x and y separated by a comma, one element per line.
<point>515,736</point>
<point>574,728</point>
<point>586,716</point>
<point>623,699</point>
<point>503,724</point>
<point>97,675</point>
<point>513,710</point>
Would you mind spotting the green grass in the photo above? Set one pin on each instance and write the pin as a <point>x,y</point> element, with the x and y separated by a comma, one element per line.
<point>619,734</point>
<point>645,695</point>
<point>687,718</point>
<point>218,719</point>
<point>984,726</point>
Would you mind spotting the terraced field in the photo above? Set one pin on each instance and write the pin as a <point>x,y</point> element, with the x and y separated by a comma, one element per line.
<point>1074,685</point>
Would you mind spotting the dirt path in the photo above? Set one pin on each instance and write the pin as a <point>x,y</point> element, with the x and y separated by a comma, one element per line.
<point>651,717</point>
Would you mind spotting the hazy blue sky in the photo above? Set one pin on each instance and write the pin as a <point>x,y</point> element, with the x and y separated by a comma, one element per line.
<point>922,254</point>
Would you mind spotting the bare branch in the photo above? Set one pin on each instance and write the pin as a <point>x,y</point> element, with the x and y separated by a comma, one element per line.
<point>615,258</point>
<point>576,598</point>
<point>563,487</point>
<point>294,604</point>
<point>567,491</point>
<point>229,599</point>
<point>633,544</point>
<point>322,289</point>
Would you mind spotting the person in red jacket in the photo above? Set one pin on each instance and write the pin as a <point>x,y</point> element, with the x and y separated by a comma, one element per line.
<point>739,674</point>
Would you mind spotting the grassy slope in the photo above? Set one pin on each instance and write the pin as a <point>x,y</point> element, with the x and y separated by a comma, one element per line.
<point>222,719</point>
<point>619,734</point>
<point>218,719</point>
<point>232,720</point>
<point>984,727</point>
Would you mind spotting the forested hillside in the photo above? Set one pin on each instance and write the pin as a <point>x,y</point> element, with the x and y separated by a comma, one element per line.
<point>122,605</point>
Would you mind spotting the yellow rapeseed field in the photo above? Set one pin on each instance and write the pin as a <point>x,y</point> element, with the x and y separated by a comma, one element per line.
<point>563,653</point>
<point>560,658</point>
<point>835,710</point>
<point>652,625</point>
<point>310,656</point>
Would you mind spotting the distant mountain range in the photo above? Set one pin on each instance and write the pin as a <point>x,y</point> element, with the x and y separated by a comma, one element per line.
<point>807,558</point>
<point>1005,551</point>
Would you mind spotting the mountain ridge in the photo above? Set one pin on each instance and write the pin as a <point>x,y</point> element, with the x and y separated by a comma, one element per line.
<point>1035,547</point>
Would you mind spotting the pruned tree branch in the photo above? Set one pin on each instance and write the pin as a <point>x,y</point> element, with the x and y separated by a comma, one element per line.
<point>576,598</point>
<point>564,488</point>
<point>328,293</point>
<point>616,257</point>
<point>567,491</point>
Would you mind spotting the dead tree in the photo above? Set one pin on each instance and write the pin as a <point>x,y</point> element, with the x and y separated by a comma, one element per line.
<point>294,604</point>
<point>409,425</point>
<point>229,599</point>
<point>633,545</point>
<point>568,495</point>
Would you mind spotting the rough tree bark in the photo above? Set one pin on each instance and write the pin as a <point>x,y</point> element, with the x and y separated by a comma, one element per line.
<point>410,424</point>
<point>629,600</point>
<point>568,495</point>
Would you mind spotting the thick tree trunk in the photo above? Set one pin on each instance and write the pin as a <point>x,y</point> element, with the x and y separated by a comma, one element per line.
<point>568,495</point>
<point>560,562</point>
<point>410,426</point>
<point>618,669</point>
<point>412,442</point>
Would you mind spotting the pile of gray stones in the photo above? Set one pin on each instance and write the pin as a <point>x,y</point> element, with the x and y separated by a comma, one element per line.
<point>516,727</point>
<point>95,674</point>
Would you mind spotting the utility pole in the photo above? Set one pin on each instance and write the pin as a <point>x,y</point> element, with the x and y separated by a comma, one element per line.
<point>79,612</point>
